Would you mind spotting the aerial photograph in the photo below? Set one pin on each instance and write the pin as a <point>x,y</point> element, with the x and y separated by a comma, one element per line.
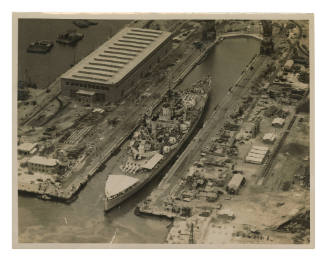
<point>166,132</point>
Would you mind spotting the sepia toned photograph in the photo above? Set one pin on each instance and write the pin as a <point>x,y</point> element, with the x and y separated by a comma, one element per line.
<point>163,130</point>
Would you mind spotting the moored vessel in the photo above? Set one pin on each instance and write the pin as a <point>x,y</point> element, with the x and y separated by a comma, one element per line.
<point>42,46</point>
<point>162,134</point>
<point>69,37</point>
<point>84,23</point>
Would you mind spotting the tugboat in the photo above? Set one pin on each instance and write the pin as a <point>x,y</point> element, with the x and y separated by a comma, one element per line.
<point>69,37</point>
<point>157,141</point>
<point>42,46</point>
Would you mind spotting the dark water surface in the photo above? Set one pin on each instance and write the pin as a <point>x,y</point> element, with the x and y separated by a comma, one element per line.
<point>44,221</point>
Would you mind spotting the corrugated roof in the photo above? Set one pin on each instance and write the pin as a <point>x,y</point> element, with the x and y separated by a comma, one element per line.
<point>254,159</point>
<point>260,148</point>
<point>118,56</point>
<point>255,155</point>
<point>262,152</point>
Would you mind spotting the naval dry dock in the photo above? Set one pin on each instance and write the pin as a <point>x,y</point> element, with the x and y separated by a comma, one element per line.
<point>112,70</point>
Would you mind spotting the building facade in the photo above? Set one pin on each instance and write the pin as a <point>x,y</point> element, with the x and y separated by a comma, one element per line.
<point>111,71</point>
<point>42,164</point>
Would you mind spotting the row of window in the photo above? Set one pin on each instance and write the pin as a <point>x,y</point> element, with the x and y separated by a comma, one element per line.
<point>87,85</point>
<point>43,168</point>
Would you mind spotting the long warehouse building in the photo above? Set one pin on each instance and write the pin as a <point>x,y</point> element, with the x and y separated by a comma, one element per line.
<point>111,71</point>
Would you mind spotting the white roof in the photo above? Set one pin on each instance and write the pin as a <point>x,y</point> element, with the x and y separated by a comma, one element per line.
<point>260,148</point>
<point>262,152</point>
<point>278,121</point>
<point>27,146</point>
<point>255,155</point>
<point>236,180</point>
<point>254,159</point>
<point>118,183</point>
<point>289,63</point>
<point>43,161</point>
<point>269,136</point>
<point>153,161</point>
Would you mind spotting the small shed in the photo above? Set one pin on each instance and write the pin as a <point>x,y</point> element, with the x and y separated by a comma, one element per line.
<point>288,65</point>
<point>254,159</point>
<point>269,138</point>
<point>257,155</point>
<point>278,122</point>
<point>235,183</point>
<point>27,148</point>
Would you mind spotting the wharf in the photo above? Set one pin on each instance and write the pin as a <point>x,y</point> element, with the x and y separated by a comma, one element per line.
<point>68,191</point>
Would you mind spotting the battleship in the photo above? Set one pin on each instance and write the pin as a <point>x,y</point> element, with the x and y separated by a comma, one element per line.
<point>157,141</point>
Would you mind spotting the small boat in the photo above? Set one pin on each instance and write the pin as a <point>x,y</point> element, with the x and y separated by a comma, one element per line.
<point>42,46</point>
<point>70,37</point>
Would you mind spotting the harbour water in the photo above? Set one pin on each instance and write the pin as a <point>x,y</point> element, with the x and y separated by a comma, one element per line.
<point>84,221</point>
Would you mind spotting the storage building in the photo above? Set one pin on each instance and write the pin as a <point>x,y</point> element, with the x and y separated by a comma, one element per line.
<point>43,164</point>
<point>269,138</point>
<point>27,148</point>
<point>278,122</point>
<point>257,155</point>
<point>235,183</point>
<point>112,70</point>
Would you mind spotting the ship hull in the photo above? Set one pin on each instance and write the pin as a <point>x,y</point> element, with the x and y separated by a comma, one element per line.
<point>111,203</point>
<point>71,42</point>
<point>44,49</point>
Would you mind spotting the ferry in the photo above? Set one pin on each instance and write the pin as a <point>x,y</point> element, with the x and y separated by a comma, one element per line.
<point>163,133</point>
